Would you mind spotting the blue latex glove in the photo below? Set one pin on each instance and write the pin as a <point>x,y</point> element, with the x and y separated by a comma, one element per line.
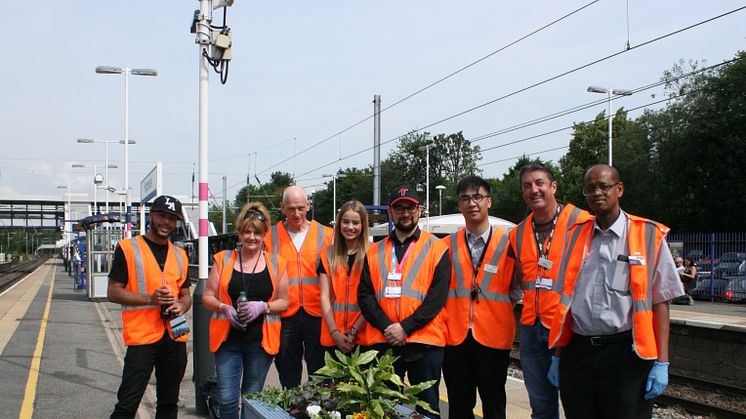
<point>553,374</point>
<point>657,380</point>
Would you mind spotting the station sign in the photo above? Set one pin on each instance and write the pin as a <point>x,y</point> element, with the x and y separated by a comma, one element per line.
<point>152,184</point>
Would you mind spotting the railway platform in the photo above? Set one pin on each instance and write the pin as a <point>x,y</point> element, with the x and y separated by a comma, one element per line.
<point>61,355</point>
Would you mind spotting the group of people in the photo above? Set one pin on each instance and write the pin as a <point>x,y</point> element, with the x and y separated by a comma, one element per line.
<point>593,330</point>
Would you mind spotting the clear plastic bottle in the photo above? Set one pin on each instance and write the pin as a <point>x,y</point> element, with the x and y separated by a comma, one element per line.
<point>241,298</point>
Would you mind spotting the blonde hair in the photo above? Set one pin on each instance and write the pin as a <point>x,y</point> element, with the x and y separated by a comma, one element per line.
<point>339,254</point>
<point>252,209</point>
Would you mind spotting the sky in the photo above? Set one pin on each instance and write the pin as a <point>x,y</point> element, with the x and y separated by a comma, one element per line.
<point>306,71</point>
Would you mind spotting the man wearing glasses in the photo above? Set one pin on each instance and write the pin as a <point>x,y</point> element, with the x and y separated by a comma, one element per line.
<point>299,242</point>
<point>612,323</point>
<point>402,291</point>
<point>480,320</point>
<point>538,243</point>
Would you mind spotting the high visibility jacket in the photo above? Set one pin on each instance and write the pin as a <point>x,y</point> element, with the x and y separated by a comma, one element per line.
<point>221,325</point>
<point>537,302</point>
<point>303,283</point>
<point>143,324</point>
<point>489,314</point>
<point>416,276</point>
<point>644,238</point>
<point>344,300</point>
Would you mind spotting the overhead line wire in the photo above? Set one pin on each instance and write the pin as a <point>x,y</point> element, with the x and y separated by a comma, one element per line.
<point>565,73</point>
<point>442,79</point>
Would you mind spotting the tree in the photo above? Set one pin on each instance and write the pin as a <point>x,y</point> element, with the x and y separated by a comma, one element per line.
<point>269,194</point>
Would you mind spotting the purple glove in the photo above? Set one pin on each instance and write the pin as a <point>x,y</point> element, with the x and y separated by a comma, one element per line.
<point>230,312</point>
<point>250,310</point>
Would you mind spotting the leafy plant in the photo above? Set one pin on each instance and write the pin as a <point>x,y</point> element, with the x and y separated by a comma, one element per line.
<point>364,385</point>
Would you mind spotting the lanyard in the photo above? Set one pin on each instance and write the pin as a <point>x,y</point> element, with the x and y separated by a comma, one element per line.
<point>476,266</point>
<point>240,264</point>
<point>396,268</point>
<point>539,243</point>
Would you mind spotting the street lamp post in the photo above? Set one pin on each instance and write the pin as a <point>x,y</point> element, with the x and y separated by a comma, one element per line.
<point>609,91</point>
<point>96,180</point>
<point>440,189</point>
<point>106,143</point>
<point>427,183</point>
<point>334,192</point>
<point>126,71</point>
<point>68,213</point>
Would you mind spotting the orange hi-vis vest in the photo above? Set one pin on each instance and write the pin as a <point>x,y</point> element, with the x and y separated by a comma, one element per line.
<point>644,238</point>
<point>538,302</point>
<point>143,324</point>
<point>303,282</point>
<point>344,300</point>
<point>416,277</point>
<point>221,325</point>
<point>489,312</point>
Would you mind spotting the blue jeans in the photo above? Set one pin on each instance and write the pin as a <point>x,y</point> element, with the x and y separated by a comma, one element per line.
<point>242,368</point>
<point>536,357</point>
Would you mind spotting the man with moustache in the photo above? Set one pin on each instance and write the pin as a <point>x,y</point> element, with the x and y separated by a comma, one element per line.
<point>611,326</point>
<point>479,310</point>
<point>149,279</point>
<point>537,244</point>
<point>403,288</point>
<point>299,242</point>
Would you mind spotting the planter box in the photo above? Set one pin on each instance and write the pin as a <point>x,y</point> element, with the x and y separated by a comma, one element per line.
<point>255,409</point>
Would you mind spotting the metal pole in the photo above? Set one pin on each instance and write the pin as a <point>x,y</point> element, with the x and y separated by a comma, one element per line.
<point>427,187</point>
<point>334,197</point>
<point>377,150</point>
<point>204,363</point>
<point>610,117</point>
<point>440,201</point>
<point>225,203</point>
<point>95,192</point>
<point>128,218</point>
<point>106,147</point>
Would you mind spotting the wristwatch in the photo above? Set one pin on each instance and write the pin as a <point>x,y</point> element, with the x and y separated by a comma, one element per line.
<point>353,331</point>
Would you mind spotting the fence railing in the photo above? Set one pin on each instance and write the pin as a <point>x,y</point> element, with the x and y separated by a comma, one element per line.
<point>721,263</point>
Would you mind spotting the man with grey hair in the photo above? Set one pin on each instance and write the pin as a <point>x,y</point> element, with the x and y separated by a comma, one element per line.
<point>299,241</point>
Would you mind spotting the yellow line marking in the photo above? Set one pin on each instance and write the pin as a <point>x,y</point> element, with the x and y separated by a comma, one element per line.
<point>27,408</point>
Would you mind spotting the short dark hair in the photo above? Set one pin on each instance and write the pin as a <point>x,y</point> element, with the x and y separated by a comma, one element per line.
<point>470,182</point>
<point>615,176</point>
<point>534,168</point>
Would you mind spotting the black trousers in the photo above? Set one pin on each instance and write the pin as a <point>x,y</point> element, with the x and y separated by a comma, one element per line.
<point>300,337</point>
<point>471,367</point>
<point>603,379</point>
<point>169,359</point>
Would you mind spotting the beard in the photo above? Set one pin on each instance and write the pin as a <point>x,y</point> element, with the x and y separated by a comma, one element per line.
<point>157,231</point>
<point>405,228</point>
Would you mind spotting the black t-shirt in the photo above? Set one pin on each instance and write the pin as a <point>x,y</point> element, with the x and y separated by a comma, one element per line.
<point>258,287</point>
<point>350,261</point>
<point>119,271</point>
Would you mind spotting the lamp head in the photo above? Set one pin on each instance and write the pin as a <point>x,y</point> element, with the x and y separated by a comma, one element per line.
<point>216,4</point>
<point>105,69</point>
<point>596,89</point>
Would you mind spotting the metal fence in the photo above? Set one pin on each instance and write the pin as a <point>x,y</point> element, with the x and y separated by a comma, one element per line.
<point>720,259</point>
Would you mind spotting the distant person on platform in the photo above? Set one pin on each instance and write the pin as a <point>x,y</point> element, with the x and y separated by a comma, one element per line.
<point>611,326</point>
<point>402,292</point>
<point>537,243</point>
<point>245,335</point>
<point>299,242</point>
<point>479,310</point>
<point>688,275</point>
<point>149,279</point>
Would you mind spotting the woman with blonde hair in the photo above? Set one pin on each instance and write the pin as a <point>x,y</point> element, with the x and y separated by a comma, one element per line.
<point>245,335</point>
<point>339,275</point>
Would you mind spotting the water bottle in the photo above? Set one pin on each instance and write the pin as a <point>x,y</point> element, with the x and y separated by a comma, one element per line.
<point>241,298</point>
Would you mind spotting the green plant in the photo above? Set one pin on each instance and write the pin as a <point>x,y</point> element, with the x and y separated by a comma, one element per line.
<point>365,385</point>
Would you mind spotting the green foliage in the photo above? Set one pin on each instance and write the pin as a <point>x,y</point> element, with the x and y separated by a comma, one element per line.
<point>269,194</point>
<point>507,198</point>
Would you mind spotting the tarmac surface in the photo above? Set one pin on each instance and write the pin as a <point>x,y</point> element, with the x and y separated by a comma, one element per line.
<point>61,355</point>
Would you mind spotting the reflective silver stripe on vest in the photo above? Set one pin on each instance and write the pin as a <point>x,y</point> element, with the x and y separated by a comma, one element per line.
<point>462,290</point>
<point>272,318</point>
<point>647,303</point>
<point>219,316</point>
<point>519,231</point>
<point>227,255</point>
<point>319,245</point>
<point>341,308</point>
<point>275,238</point>
<point>139,274</point>
<point>177,255</point>
<point>642,305</point>
<point>565,259</point>
<point>559,284</point>
<point>307,280</point>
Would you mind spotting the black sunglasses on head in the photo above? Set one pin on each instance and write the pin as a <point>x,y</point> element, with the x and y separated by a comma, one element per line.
<point>254,213</point>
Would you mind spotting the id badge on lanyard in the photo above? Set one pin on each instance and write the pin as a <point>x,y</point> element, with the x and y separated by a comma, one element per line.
<point>394,278</point>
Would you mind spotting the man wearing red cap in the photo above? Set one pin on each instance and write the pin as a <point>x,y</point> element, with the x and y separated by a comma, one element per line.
<point>402,291</point>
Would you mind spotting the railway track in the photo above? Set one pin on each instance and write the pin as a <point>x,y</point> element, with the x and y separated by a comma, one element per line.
<point>13,272</point>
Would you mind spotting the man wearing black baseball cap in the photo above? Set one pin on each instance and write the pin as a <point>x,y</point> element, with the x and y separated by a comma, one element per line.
<point>146,274</point>
<point>402,291</point>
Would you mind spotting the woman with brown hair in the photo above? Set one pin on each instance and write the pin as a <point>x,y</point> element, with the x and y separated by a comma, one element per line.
<point>247,290</point>
<point>339,275</point>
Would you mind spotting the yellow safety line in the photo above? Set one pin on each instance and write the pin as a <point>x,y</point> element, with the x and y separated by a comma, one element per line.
<point>27,408</point>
